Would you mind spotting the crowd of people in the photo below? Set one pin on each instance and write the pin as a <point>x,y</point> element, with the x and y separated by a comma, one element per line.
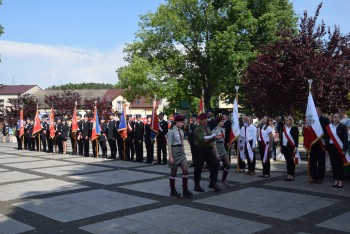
<point>209,140</point>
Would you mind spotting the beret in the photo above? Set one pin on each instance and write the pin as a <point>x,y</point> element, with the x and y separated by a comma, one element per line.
<point>203,116</point>
<point>179,118</point>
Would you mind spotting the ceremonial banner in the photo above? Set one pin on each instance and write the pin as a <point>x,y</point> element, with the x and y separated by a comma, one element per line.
<point>96,130</point>
<point>37,125</point>
<point>313,131</point>
<point>52,126</point>
<point>21,122</point>
<point>122,124</point>
<point>75,126</point>
<point>235,130</point>
<point>154,121</point>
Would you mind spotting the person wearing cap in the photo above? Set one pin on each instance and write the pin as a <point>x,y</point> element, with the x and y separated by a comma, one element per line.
<point>129,141</point>
<point>64,136</point>
<point>31,143</point>
<point>44,128</point>
<point>219,148</point>
<point>211,121</point>
<point>59,135</point>
<point>120,141</point>
<point>112,136</point>
<point>48,137</point>
<point>103,137</point>
<point>79,135</point>
<point>85,134</point>
<point>161,140</point>
<point>149,141</point>
<point>204,153</point>
<point>138,138</point>
<point>177,157</point>
<point>191,135</point>
<point>73,136</point>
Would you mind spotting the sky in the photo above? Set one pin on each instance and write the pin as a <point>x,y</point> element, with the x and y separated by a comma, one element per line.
<point>56,42</point>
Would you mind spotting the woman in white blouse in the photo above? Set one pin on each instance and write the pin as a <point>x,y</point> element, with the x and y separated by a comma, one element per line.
<point>265,145</point>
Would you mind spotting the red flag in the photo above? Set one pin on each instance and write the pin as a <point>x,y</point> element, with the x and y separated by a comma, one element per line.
<point>313,132</point>
<point>21,129</point>
<point>37,125</point>
<point>52,126</point>
<point>96,130</point>
<point>122,129</point>
<point>75,126</point>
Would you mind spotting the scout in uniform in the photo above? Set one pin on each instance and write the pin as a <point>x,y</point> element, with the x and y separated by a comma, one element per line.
<point>177,157</point>
<point>203,146</point>
<point>219,148</point>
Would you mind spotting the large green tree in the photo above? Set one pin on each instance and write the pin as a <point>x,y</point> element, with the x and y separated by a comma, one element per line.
<point>190,45</point>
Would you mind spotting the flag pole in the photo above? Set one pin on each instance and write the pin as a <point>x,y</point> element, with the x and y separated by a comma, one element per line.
<point>308,152</point>
<point>75,133</point>
<point>37,112</point>
<point>237,143</point>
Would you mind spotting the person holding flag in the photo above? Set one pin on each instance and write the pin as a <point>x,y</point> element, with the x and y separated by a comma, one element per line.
<point>95,132</point>
<point>289,146</point>
<point>103,137</point>
<point>149,142</point>
<point>51,132</point>
<point>112,132</point>
<point>85,134</point>
<point>36,130</point>
<point>123,129</point>
<point>161,140</point>
<point>336,144</point>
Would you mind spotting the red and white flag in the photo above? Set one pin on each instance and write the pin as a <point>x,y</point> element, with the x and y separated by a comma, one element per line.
<point>235,130</point>
<point>313,131</point>
<point>52,125</point>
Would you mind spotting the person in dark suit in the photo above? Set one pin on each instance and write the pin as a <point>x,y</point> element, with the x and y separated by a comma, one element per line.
<point>192,127</point>
<point>74,136</point>
<point>103,137</point>
<point>79,135</point>
<point>112,136</point>
<point>211,119</point>
<point>336,144</point>
<point>289,145</point>
<point>138,138</point>
<point>64,136</point>
<point>161,140</point>
<point>31,144</point>
<point>44,127</point>
<point>317,154</point>
<point>49,139</point>
<point>148,141</point>
<point>129,141</point>
<point>19,139</point>
<point>85,134</point>
<point>120,141</point>
<point>59,135</point>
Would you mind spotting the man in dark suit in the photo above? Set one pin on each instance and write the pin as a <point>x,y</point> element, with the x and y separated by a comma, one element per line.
<point>317,154</point>
<point>161,139</point>
<point>103,137</point>
<point>79,135</point>
<point>85,134</point>
<point>112,136</point>
<point>129,142</point>
<point>193,126</point>
<point>211,121</point>
<point>120,141</point>
<point>227,126</point>
<point>44,127</point>
<point>138,138</point>
<point>148,141</point>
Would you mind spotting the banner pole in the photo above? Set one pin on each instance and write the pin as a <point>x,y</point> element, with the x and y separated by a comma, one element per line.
<point>157,149</point>
<point>39,145</point>
<point>308,167</point>
<point>238,156</point>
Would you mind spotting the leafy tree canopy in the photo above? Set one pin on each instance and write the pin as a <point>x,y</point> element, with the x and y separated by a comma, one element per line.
<point>277,82</point>
<point>190,45</point>
<point>71,86</point>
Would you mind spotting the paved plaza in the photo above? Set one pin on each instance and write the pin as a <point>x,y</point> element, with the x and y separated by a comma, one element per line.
<point>51,193</point>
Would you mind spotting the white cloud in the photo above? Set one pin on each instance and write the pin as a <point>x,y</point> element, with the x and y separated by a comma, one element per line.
<point>46,65</point>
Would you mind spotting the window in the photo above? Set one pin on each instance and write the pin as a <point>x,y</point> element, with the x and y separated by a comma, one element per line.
<point>138,101</point>
<point>2,103</point>
<point>119,106</point>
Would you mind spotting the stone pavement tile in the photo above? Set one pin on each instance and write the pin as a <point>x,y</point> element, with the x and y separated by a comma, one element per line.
<point>33,188</point>
<point>18,159</point>
<point>240,177</point>
<point>115,177</point>
<point>36,164</point>
<point>11,176</point>
<point>2,170</point>
<point>176,219</point>
<point>119,163</point>
<point>10,226</point>
<point>268,202</point>
<point>162,187</point>
<point>162,169</point>
<point>83,204</point>
<point>71,169</point>
<point>300,182</point>
<point>340,223</point>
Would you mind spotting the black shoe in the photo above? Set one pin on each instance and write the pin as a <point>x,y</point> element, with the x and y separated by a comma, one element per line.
<point>174,193</point>
<point>214,186</point>
<point>164,163</point>
<point>187,193</point>
<point>198,188</point>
